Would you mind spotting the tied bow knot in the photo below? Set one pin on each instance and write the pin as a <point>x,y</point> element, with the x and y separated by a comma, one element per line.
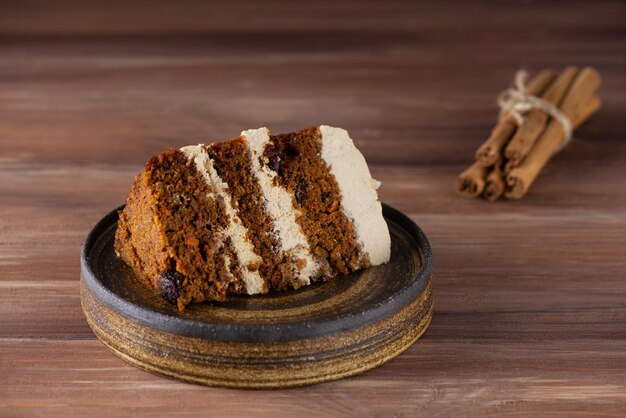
<point>516,102</point>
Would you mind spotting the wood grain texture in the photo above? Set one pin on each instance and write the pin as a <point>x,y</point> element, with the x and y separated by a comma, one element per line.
<point>531,295</point>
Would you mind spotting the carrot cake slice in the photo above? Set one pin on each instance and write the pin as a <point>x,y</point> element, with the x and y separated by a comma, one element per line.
<point>253,214</point>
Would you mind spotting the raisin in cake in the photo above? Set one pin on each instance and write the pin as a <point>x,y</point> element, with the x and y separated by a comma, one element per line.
<point>251,215</point>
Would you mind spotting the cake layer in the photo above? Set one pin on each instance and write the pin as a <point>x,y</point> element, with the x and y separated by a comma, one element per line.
<point>247,261</point>
<point>296,159</point>
<point>231,160</point>
<point>294,247</point>
<point>169,232</point>
<point>360,201</point>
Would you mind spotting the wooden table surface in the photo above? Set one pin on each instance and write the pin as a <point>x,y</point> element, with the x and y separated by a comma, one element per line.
<point>530,296</point>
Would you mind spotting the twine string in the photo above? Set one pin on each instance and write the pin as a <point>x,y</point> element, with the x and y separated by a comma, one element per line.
<point>516,102</point>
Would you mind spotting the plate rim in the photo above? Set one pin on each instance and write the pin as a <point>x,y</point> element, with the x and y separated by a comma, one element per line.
<point>265,333</point>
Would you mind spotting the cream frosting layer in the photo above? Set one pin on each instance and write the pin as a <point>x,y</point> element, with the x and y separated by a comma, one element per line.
<point>359,199</point>
<point>235,229</point>
<point>279,205</point>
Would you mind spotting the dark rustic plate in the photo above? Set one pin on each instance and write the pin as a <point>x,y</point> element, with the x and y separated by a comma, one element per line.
<point>322,332</point>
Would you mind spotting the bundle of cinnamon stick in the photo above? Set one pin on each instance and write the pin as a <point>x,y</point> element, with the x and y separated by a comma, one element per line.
<point>520,145</point>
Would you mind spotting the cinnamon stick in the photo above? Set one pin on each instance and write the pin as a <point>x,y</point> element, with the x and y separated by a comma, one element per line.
<point>583,89</point>
<point>578,105</point>
<point>536,120</point>
<point>471,182</point>
<point>521,178</point>
<point>489,152</point>
<point>495,183</point>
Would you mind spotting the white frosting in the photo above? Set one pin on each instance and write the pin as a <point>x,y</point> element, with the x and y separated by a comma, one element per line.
<point>359,199</point>
<point>235,229</point>
<point>279,205</point>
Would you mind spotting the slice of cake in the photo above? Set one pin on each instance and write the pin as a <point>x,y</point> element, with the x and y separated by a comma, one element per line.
<point>253,214</point>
